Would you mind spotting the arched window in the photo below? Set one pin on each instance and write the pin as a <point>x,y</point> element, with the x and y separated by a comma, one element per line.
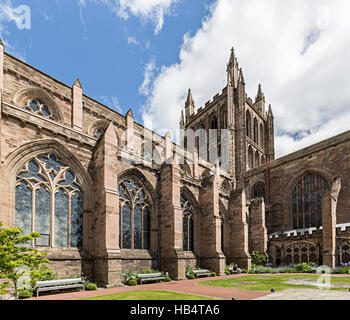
<point>224,119</point>
<point>258,191</point>
<point>306,201</point>
<point>262,137</point>
<point>256,135</point>
<point>248,124</point>
<point>134,216</point>
<point>187,218</point>
<point>214,123</point>
<point>98,132</point>
<point>250,157</point>
<point>48,200</point>
<point>39,108</point>
<point>257,159</point>
<point>301,251</point>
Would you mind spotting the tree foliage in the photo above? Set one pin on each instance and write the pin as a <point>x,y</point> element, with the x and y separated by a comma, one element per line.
<point>17,259</point>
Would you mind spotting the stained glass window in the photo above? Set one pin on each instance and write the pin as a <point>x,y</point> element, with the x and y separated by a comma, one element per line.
<point>134,217</point>
<point>45,187</point>
<point>187,211</point>
<point>39,107</point>
<point>99,132</point>
<point>306,201</point>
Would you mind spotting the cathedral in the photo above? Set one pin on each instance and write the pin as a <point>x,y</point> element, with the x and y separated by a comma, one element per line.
<point>107,194</point>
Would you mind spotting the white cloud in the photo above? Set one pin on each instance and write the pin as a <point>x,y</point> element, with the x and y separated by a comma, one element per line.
<point>147,10</point>
<point>112,102</point>
<point>298,50</point>
<point>153,10</point>
<point>150,69</point>
<point>132,40</point>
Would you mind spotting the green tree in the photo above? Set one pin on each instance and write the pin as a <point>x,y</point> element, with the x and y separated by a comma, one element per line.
<point>17,259</point>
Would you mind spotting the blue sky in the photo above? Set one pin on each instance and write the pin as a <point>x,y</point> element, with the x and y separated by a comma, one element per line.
<point>70,40</point>
<point>145,54</point>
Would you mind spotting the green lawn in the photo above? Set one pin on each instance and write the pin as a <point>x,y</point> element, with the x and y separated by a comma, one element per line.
<point>149,295</point>
<point>267,281</point>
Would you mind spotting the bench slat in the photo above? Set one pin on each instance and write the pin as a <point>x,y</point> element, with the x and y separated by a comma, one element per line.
<point>61,287</point>
<point>58,282</point>
<point>149,275</point>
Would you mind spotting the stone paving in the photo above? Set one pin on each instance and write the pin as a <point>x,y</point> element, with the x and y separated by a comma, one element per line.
<point>307,294</point>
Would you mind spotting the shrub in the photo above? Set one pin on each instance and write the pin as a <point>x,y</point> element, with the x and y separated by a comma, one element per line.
<point>129,275</point>
<point>190,276</point>
<point>149,270</point>
<point>303,268</point>
<point>167,279</point>
<point>132,282</point>
<point>260,269</point>
<point>189,269</point>
<point>227,272</point>
<point>91,287</point>
<point>258,258</point>
<point>24,294</point>
<point>213,274</point>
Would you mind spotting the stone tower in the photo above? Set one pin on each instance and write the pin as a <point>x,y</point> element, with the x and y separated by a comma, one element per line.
<point>238,131</point>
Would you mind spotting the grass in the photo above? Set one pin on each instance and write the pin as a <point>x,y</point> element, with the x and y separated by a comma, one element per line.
<point>268,281</point>
<point>150,295</point>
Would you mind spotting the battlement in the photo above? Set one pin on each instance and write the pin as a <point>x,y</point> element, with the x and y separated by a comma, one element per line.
<point>307,232</point>
<point>208,105</point>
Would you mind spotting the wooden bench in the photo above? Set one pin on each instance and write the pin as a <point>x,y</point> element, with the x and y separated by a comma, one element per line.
<point>202,273</point>
<point>150,277</point>
<point>59,285</point>
<point>233,271</point>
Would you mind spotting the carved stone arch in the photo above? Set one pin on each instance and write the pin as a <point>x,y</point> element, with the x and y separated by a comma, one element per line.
<point>226,185</point>
<point>222,209</point>
<point>213,121</point>
<point>248,123</point>
<point>19,157</point>
<point>186,170</point>
<point>98,127</point>
<point>140,177</point>
<point>191,198</point>
<point>301,251</point>
<point>24,96</point>
<point>258,190</point>
<point>206,173</point>
<point>306,217</point>
<point>224,119</point>
<point>152,202</point>
<point>255,130</point>
<point>322,172</point>
<point>250,156</point>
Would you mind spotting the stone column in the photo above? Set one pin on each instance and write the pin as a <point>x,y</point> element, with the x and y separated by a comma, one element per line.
<point>329,223</point>
<point>239,236</point>
<point>106,247</point>
<point>210,254</point>
<point>172,255</point>
<point>77,112</point>
<point>258,226</point>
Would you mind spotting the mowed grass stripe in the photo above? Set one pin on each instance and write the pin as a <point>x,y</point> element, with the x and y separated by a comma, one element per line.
<point>150,295</point>
<point>266,282</point>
